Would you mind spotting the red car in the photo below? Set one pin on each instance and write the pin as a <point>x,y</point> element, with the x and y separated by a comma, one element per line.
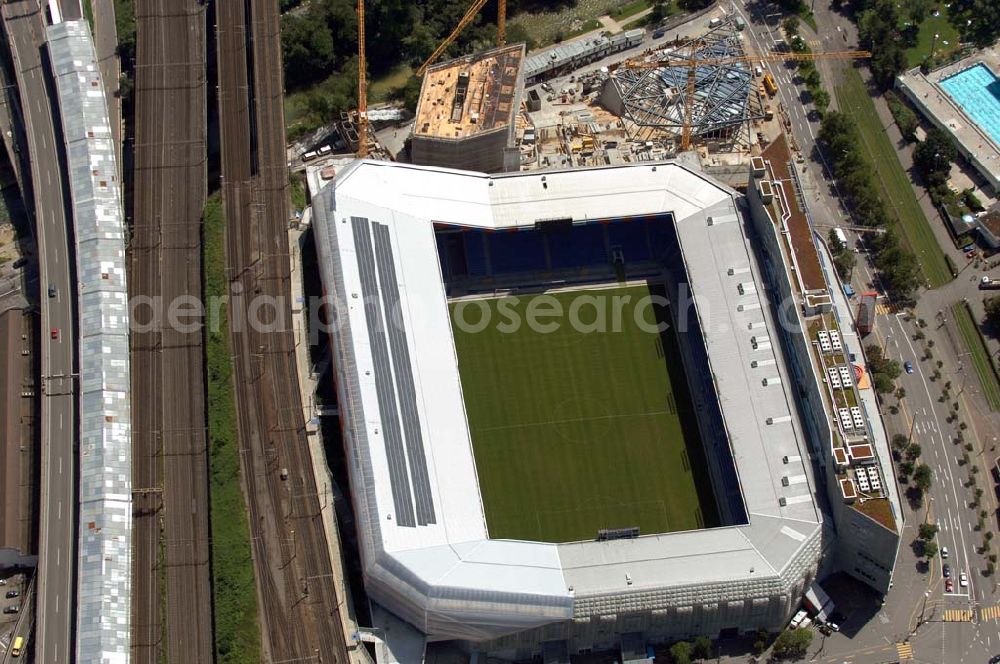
<point>949,586</point>
<point>55,333</point>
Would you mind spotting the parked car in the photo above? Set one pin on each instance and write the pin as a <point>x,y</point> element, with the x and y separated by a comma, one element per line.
<point>800,619</point>
<point>825,629</point>
<point>11,609</point>
<point>11,594</point>
<point>963,580</point>
<point>908,366</point>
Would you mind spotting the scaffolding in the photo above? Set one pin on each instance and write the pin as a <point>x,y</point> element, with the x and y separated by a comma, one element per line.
<point>723,99</point>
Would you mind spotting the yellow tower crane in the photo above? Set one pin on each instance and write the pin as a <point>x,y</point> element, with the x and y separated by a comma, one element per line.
<point>693,63</point>
<point>470,15</point>
<point>362,85</point>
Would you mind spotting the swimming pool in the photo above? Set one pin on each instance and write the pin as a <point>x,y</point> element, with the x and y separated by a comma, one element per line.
<point>977,91</point>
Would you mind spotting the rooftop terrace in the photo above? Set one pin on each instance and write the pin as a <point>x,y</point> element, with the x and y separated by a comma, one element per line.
<point>799,233</point>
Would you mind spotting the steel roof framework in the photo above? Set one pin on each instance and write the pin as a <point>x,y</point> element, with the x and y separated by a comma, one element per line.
<point>725,95</point>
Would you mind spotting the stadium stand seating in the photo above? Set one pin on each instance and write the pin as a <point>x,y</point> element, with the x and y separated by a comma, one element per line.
<point>478,253</point>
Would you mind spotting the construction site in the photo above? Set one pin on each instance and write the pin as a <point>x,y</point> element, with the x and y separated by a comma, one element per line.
<point>604,99</point>
<point>466,114</point>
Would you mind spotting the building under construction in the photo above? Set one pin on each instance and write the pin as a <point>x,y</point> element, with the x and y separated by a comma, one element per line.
<point>652,96</point>
<point>467,109</point>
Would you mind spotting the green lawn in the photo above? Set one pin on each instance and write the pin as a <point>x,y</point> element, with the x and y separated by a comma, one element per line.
<point>978,352</point>
<point>546,27</point>
<point>631,9</point>
<point>893,183</point>
<point>380,88</point>
<point>925,38</point>
<point>576,431</point>
<point>237,634</point>
<point>588,26</point>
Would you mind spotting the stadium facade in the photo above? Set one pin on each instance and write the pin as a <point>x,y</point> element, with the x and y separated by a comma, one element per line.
<point>426,552</point>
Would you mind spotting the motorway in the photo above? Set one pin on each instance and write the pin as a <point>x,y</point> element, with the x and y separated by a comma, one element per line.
<point>299,608</point>
<point>172,551</point>
<point>25,28</point>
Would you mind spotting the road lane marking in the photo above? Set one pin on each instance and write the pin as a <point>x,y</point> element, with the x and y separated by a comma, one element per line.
<point>904,650</point>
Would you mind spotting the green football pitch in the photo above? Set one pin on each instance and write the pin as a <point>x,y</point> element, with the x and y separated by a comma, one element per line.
<point>577,430</point>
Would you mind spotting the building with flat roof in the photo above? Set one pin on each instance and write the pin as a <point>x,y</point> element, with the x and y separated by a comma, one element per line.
<point>467,110</point>
<point>960,99</point>
<point>575,53</point>
<point>104,510</point>
<point>826,359</point>
<point>427,553</point>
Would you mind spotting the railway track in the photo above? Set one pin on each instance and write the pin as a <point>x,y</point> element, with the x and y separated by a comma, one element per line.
<point>299,607</point>
<point>170,473</point>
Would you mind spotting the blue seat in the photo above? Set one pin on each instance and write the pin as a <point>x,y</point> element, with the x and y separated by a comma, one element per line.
<point>516,251</point>
<point>662,239</point>
<point>579,246</point>
<point>475,254</point>
<point>630,235</point>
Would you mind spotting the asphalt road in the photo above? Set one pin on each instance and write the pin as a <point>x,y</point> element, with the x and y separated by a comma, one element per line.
<point>172,552</point>
<point>918,610</point>
<point>24,626</point>
<point>25,28</point>
<point>106,44</point>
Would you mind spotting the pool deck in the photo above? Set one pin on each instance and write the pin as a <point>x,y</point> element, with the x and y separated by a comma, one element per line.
<point>972,141</point>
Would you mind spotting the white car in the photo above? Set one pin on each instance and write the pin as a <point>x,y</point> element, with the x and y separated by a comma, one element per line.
<point>963,580</point>
<point>800,619</point>
<point>944,553</point>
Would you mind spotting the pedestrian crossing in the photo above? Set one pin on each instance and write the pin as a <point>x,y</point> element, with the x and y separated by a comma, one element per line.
<point>958,615</point>
<point>904,650</point>
<point>990,613</point>
<point>886,308</point>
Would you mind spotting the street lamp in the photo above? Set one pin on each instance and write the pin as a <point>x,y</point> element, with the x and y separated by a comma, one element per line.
<point>934,43</point>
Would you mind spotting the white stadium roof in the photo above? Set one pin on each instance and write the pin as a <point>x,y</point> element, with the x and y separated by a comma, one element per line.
<point>425,547</point>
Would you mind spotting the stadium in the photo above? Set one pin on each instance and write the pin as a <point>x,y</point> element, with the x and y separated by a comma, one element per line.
<point>566,413</point>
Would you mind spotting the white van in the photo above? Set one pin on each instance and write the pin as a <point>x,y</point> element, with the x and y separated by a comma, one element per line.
<point>800,619</point>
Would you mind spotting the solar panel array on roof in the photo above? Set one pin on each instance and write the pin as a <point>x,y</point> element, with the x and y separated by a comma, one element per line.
<point>103,600</point>
<point>404,377</point>
<point>411,491</point>
<point>402,497</point>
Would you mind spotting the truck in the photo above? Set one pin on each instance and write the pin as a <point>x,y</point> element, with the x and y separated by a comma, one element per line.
<point>818,603</point>
<point>770,85</point>
<point>841,237</point>
<point>865,319</point>
<point>986,283</point>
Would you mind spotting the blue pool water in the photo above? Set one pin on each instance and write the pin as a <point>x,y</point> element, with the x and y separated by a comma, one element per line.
<point>977,91</point>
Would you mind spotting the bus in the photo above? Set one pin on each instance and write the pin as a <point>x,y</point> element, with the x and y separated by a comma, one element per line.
<point>15,650</point>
